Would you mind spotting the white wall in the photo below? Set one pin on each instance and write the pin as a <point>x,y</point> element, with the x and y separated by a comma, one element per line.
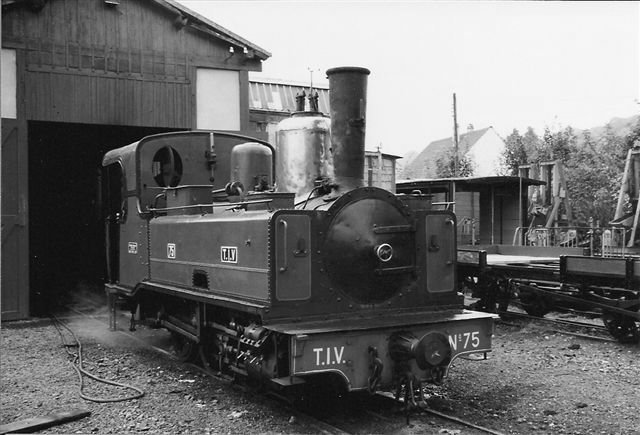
<point>486,153</point>
<point>217,99</point>
<point>8,79</point>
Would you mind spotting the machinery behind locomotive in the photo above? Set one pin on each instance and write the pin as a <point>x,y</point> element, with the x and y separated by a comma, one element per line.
<point>318,277</point>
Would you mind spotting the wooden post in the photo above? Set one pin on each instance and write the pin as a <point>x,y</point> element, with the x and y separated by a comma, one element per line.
<point>455,138</point>
<point>623,187</point>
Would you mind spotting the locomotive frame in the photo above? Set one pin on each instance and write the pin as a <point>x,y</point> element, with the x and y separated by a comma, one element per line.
<point>331,284</point>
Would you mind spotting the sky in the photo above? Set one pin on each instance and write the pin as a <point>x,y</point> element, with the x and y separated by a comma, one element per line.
<point>510,64</point>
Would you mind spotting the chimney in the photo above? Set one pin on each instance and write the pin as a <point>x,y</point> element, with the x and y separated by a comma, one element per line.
<point>300,101</point>
<point>348,97</point>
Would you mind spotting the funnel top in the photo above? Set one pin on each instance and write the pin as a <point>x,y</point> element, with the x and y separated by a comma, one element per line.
<point>343,69</point>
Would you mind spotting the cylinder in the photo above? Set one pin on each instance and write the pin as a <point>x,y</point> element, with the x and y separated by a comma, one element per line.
<point>252,165</point>
<point>302,154</point>
<point>348,101</point>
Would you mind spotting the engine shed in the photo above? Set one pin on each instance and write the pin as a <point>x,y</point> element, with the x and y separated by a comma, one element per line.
<point>81,77</point>
<point>488,209</point>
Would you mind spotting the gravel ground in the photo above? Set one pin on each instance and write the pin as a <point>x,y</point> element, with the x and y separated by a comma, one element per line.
<point>540,381</point>
<point>37,379</point>
<point>535,381</point>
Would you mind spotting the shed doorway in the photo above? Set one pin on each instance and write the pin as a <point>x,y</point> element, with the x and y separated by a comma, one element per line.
<point>66,223</point>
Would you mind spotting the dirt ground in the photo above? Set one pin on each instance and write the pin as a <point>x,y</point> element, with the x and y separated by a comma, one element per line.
<point>535,381</point>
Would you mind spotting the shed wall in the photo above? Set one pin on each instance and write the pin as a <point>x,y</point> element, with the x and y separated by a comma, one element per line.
<point>127,65</point>
<point>93,72</point>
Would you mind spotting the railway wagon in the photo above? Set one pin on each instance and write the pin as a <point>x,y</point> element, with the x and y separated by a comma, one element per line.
<point>542,279</point>
<point>276,264</point>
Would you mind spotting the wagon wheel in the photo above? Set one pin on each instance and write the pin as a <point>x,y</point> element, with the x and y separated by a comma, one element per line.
<point>495,297</point>
<point>534,304</point>
<point>622,328</point>
<point>183,348</point>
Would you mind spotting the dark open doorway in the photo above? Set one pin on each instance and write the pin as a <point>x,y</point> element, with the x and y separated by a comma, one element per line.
<point>66,225</point>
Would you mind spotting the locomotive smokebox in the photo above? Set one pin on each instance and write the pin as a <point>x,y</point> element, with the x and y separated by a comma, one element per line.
<point>347,97</point>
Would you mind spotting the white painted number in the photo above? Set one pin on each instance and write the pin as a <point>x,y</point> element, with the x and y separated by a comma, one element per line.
<point>465,340</point>
<point>325,356</point>
<point>132,248</point>
<point>171,250</point>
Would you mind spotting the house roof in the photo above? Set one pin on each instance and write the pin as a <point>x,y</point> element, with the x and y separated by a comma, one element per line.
<point>190,18</point>
<point>424,164</point>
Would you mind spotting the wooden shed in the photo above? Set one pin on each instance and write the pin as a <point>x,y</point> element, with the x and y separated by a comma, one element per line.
<point>488,209</point>
<point>81,77</point>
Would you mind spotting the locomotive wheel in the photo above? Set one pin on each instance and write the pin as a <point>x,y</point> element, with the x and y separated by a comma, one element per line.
<point>183,348</point>
<point>622,328</point>
<point>210,357</point>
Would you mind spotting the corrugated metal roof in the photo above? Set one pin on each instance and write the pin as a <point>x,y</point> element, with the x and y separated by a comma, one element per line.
<point>278,96</point>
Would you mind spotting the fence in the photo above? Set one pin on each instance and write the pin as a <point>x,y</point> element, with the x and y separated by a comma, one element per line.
<point>606,242</point>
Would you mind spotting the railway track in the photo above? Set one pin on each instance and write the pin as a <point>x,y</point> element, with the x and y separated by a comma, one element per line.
<point>362,413</point>
<point>382,413</point>
<point>600,329</point>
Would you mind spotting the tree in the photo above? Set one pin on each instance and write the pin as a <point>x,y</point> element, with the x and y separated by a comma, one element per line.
<point>633,136</point>
<point>445,165</point>
<point>593,171</point>
<point>558,146</point>
<point>532,145</point>
<point>592,181</point>
<point>514,153</point>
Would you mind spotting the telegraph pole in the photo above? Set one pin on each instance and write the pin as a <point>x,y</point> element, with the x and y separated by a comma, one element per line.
<point>455,138</point>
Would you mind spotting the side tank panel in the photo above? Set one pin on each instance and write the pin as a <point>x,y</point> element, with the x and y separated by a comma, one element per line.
<point>222,254</point>
<point>441,252</point>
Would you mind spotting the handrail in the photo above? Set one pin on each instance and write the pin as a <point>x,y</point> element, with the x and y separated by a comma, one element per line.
<point>219,204</point>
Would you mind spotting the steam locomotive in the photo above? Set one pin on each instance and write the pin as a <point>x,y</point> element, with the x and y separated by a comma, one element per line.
<point>308,279</point>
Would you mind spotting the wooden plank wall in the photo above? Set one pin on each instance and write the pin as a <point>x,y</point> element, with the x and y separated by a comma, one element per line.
<point>506,215</point>
<point>129,65</point>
